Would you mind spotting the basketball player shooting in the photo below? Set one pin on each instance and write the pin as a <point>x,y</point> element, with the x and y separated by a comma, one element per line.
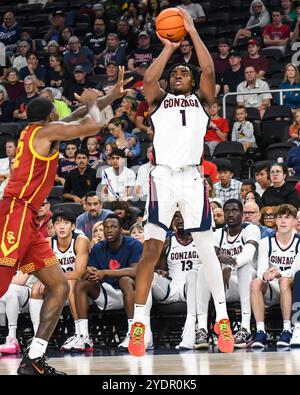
<point>179,122</point>
<point>22,246</point>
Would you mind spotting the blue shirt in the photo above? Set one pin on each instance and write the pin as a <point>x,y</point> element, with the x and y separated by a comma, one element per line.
<point>103,258</point>
<point>292,99</point>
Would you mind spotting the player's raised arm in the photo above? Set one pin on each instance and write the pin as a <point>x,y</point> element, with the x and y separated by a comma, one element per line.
<point>207,79</point>
<point>153,92</point>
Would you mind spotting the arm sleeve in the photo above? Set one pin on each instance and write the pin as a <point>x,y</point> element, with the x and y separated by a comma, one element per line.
<point>251,233</point>
<point>263,258</point>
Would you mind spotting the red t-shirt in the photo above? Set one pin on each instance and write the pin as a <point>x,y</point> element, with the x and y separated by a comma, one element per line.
<point>211,134</point>
<point>210,170</point>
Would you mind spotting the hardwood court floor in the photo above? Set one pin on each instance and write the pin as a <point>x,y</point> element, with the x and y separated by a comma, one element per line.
<point>240,362</point>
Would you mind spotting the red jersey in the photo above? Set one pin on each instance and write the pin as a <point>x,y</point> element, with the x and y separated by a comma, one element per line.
<point>33,175</point>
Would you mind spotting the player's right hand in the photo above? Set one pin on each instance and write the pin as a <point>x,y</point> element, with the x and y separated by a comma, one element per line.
<point>118,89</point>
<point>167,43</point>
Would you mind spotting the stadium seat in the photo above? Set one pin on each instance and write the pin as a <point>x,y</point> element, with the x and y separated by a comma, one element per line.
<point>55,195</point>
<point>278,150</point>
<point>274,132</point>
<point>276,112</point>
<point>234,152</point>
<point>10,128</point>
<point>292,180</point>
<point>75,208</point>
<point>253,114</point>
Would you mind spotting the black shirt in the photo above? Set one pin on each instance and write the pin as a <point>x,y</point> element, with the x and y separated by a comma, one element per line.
<point>80,184</point>
<point>286,194</point>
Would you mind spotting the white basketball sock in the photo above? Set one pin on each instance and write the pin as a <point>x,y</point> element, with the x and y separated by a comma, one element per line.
<point>77,329</point>
<point>35,306</point>
<point>260,326</point>
<point>37,348</point>
<point>83,325</point>
<point>139,313</point>
<point>202,299</point>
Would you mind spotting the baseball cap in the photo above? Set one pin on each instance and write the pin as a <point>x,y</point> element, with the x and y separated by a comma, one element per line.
<point>253,42</point>
<point>112,62</point>
<point>144,33</point>
<point>78,68</point>
<point>59,13</point>
<point>233,52</point>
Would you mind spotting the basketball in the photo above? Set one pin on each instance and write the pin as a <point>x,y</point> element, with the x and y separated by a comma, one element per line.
<point>170,25</point>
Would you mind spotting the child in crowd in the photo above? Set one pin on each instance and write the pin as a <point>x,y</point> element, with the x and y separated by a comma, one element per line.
<point>92,147</point>
<point>294,129</point>
<point>243,130</point>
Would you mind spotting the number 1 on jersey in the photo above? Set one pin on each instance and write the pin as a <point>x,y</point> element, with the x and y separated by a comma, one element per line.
<point>182,112</point>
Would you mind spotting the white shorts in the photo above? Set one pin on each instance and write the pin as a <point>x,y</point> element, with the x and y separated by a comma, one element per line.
<point>169,291</point>
<point>272,296</point>
<point>110,298</point>
<point>172,190</point>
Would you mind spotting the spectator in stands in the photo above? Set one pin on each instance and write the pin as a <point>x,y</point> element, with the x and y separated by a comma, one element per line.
<point>117,181</point>
<point>221,60</point>
<point>58,22</point>
<point>97,234</point>
<point>142,119</point>
<point>63,39</point>
<point>297,226</point>
<point>262,177</point>
<point>137,232</point>
<point>113,52</point>
<point>295,26</point>
<point>20,61</point>
<point>289,14</point>
<point>153,10</point>
<point>210,171</point>
<point>77,84</point>
<point>268,217</point>
<point>227,187</point>
<point>274,276</point>
<point>116,128</point>
<point>254,197</point>
<point>36,71</point>
<point>80,180</point>
<point>5,163</point>
<point>255,59</point>
<point>195,10</point>
<point>78,56</point>
<point>235,75</point>
<point>96,40</point>
<point>111,78</point>
<point>132,15</point>
<point>276,35</point>
<point>127,112</point>
<point>94,213</point>
<point>252,215</point>
<point>218,215</point>
<point>294,130</point>
<point>67,163</point>
<point>291,80</point>
<point>55,72</point>
<point>14,87</point>
<point>126,34</point>
<point>10,32</point>
<point>61,107</point>
<point>44,214</point>
<point>187,53</point>
<point>280,192</point>
<point>109,280</point>
<point>22,101</point>
<point>243,130</point>
<point>218,127</point>
<point>253,84</point>
<point>143,52</point>
<point>123,210</point>
<point>258,20</point>
<point>293,160</point>
<point>247,186</point>
<point>52,48</point>
<point>142,180</point>
<point>6,108</point>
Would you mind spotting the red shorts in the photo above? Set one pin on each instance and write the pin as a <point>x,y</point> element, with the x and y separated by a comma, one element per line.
<point>22,245</point>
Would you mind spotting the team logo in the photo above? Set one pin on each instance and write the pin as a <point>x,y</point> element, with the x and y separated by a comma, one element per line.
<point>114,264</point>
<point>10,237</point>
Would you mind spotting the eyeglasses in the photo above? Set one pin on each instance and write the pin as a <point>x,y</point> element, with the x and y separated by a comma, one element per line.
<point>274,172</point>
<point>271,216</point>
<point>249,212</point>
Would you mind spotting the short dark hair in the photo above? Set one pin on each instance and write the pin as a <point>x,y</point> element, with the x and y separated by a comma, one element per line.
<point>92,194</point>
<point>224,165</point>
<point>117,152</point>
<point>287,209</point>
<point>257,198</point>
<point>262,166</point>
<point>251,183</point>
<point>232,201</point>
<point>81,151</point>
<point>39,109</point>
<point>114,216</point>
<point>63,214</point>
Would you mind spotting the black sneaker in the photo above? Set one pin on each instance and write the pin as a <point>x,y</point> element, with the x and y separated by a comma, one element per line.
<point>37,367</point>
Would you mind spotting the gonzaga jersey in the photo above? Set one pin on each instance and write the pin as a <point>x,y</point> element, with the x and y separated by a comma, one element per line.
<point>181,258</point>
<point>33,175</point>
<point>179,124</point>
<point>67,258</point>
<point>279,258</point>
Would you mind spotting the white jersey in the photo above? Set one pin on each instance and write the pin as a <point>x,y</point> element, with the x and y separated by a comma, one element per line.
<point>181,258</point>
<point>272,254</point>
<point>179,125</point>
<point>233,245</point>
<point>67,258</point>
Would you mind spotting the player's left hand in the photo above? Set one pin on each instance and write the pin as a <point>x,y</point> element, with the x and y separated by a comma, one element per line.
<point>187,20</point>
<point>88,96</point>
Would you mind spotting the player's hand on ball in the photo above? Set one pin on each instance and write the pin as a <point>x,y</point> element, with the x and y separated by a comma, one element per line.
<point>187,20</point>
<point>88,96</point>
<point>173,44</point>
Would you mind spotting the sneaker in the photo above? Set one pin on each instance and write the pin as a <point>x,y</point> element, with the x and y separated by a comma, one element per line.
<point>259,340</point>
<point>202,339</point>
<point>11,346</point>
<point>136,345</point>
<point>242,338</point>
<point>69,343</point>
<point>295,340</point>
<point>188,337</point>
<point>124,345</point>
<point>225,338</point>
<point>285,339</point>
<point>82,344</point>
<point>37,367</point>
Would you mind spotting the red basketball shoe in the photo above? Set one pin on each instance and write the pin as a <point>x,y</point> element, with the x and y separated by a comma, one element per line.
<point>225,338</point>
<point>136,345</point>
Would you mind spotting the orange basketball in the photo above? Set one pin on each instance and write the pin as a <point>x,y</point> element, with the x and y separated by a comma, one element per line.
<point>169,24</point>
